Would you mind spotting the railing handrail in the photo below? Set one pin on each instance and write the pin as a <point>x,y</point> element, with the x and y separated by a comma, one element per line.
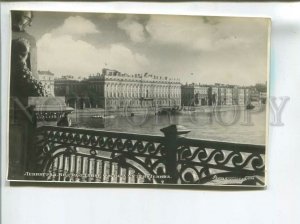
<point>100,132</point>
<point>182,159</point>
<point>232,146</point>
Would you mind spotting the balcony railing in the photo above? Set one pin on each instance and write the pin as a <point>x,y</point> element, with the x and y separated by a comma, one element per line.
<point>84,155</point>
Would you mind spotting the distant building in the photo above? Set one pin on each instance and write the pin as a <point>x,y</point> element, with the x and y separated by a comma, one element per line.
<point>139,90</point>
<point>263,97</point>
<point>222,95</point>
<point>72,90</point>
<point>235,95</point>
<point>241,92</point>
<point>247,95</point>
<point>194,95</point>
<point>218,94</point>
<point>244,96</point>
<point>110,72</point>
<point>47,79</point>
<point>258,93</point>
<point>229,95</point>
<point>215,95</point>
<point>187,95</point>
<point>67,77</point>
<point>113,90</point>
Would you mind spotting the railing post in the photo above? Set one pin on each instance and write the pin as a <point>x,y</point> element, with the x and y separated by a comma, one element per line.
<point>172,133</point>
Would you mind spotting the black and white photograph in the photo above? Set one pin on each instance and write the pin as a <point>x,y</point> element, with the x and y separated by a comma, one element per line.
<point>138,99</point>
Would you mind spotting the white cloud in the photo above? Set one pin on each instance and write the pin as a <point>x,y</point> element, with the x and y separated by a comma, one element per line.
<point>206,33</point>
<point>61,53</point>
<point>133,29</point>
<point>185,31</point>
<point>66,56</point>
<point>76,25</point>
<point>228,50</point>
<point>124,60</point>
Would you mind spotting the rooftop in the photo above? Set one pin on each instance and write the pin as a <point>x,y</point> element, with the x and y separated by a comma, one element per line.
<point>45,73</point>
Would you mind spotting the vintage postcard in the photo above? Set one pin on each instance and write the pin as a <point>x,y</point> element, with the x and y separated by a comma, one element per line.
<point>138,99</point>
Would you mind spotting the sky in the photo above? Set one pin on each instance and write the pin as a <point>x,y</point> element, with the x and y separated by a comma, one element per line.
<point>199,49</point>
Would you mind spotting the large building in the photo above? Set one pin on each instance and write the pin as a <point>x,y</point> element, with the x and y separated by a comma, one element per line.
<point>139,90</point>
<point>229,96</point>
<point>113,90</point>
<point>47,79</point>
<point>235,95</point>
<point>70,88</point>
<point>218,94</point>
<point>222,95</point>
<point>194,95</point>
<point>215,96</point>
<point>241,97</point>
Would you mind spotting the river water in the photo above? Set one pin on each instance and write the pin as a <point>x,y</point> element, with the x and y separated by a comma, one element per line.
<point>242,126</point>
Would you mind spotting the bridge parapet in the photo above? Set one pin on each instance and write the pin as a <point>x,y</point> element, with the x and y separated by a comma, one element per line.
<point>85,155</point>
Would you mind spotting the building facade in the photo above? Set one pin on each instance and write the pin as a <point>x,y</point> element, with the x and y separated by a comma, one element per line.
<point>139,90</point>
<point>47,79</point>
<point>222,95</point>
<point>211,95</point>
<point>113,90</point>
<point>187,95</point>
<point>241,96</point>
<point>72,90</point>
<point>229,96</point>
<point>215,95</point>
<point>194,95</point>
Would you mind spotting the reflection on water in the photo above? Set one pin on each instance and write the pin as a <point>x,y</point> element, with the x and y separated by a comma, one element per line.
<point>241,126</point>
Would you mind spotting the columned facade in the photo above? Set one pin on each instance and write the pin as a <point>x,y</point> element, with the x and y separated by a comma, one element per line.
<point>123,90</point>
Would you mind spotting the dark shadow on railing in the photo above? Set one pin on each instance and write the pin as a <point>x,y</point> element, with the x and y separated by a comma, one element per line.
<point>84,155</point>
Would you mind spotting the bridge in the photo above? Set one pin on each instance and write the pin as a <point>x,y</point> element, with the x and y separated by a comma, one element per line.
<point>82,155</point>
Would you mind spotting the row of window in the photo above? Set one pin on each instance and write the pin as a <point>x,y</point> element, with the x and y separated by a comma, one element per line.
<point>122,103</point>
<point>138,94</point>
<point>137,87</point>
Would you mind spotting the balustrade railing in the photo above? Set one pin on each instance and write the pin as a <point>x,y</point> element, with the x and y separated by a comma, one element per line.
<point>84,155</point>
<point>68,154</point>
<point>208,162</point>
